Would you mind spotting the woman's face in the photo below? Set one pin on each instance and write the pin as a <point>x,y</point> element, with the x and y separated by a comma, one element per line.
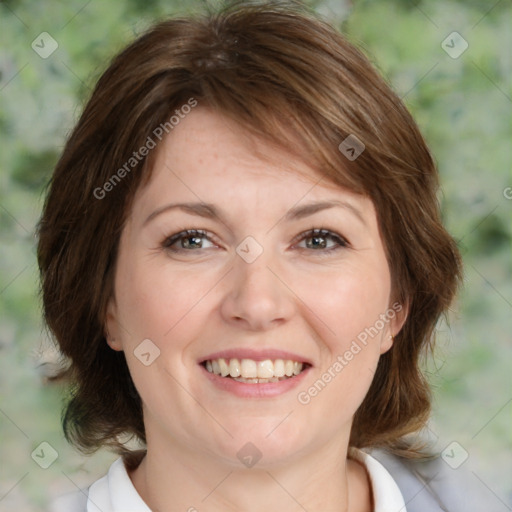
<point>251,291</point>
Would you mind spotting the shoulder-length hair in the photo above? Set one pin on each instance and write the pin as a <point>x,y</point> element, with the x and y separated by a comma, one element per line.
<point>291,79</point>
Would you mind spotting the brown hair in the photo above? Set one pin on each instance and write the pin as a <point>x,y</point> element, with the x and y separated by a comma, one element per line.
<point>290,78</point>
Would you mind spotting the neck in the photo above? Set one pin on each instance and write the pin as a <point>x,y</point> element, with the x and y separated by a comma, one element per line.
<point>182,479</point>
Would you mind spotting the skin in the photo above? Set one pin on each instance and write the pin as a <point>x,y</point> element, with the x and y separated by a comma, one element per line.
<point>194,302</point>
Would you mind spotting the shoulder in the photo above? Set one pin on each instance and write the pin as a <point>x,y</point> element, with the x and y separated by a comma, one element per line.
<point>75,501</point>
<point>112,492</point>
<point>431,484</point>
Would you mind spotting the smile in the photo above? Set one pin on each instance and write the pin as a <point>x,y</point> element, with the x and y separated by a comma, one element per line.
<point>250,371</point>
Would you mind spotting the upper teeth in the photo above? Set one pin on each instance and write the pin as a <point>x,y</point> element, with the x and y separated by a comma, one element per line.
<point>248,368</point>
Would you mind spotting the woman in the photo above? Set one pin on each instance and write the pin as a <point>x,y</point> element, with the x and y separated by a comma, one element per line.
<point>242,257</point>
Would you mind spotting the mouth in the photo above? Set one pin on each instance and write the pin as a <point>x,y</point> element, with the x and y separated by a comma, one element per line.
<point>250,371</point>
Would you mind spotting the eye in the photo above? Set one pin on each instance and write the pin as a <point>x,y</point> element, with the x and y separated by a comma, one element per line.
<point>317,239</point>
<point>189,239</point>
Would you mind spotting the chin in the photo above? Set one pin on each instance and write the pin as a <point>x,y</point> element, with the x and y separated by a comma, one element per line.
<point>265,442</point>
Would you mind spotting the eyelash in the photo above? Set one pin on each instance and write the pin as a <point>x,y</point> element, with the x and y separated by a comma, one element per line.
<point>311,233</point>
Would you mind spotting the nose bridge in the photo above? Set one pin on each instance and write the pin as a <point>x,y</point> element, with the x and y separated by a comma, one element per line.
<point>255,293</point>
<point>252,275</point>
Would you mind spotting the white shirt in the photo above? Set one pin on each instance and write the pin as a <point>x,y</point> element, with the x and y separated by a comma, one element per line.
<point>115,491</point>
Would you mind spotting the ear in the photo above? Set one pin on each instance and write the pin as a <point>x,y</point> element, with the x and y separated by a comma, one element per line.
<point>397,315</point>
<point>112,330</point>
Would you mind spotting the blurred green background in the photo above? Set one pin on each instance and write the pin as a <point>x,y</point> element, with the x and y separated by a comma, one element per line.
<point>463,105</point>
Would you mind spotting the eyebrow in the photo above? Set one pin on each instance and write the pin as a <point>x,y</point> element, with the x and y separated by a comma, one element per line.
<point>210,211</point>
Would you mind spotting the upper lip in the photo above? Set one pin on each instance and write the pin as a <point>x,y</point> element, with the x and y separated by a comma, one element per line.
<point>256,355</point>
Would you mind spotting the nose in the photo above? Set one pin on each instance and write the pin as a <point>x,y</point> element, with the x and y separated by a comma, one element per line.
<point>257,297</point>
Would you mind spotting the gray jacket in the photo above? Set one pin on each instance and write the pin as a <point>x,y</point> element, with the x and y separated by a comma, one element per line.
<point>433,486</point>
<point>427,486</point>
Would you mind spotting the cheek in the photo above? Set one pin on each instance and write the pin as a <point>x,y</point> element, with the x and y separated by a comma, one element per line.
<point>348,302</point>
<point>159,312</point>
<point>157,303</point>
<point>348,305</point>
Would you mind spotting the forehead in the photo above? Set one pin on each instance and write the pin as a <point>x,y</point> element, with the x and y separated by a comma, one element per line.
<point>208,154</point>
<point>215,137</point>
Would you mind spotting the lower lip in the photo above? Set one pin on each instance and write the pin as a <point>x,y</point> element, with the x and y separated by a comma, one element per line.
<point>246,390</point>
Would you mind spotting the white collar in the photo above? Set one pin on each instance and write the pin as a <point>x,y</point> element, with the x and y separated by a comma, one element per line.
<point>115,491</point>
<point>386,494</point>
